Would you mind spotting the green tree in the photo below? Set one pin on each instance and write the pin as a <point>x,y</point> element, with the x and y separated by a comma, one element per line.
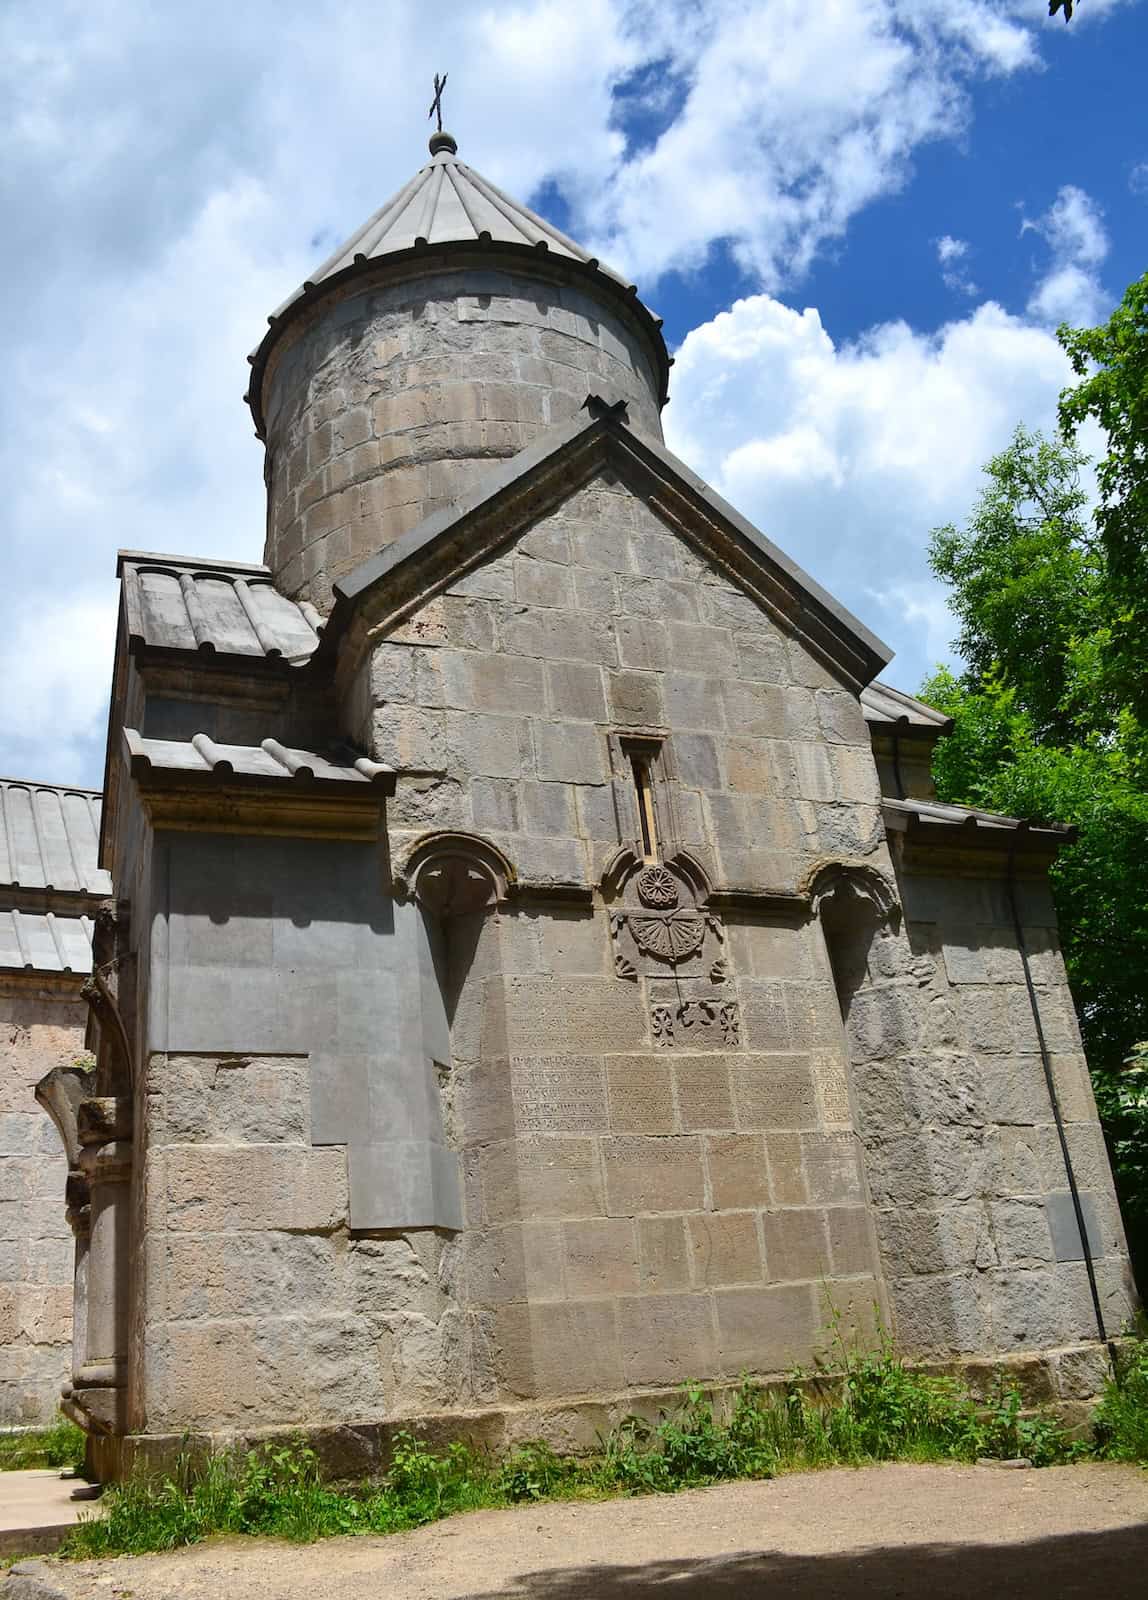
<point>1041,731</point>
<point>1112,364</point>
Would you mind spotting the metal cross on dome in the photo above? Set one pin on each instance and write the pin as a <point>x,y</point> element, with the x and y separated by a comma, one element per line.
<point>436,104</point>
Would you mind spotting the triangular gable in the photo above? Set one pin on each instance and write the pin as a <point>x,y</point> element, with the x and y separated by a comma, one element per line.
<point>385,589</point>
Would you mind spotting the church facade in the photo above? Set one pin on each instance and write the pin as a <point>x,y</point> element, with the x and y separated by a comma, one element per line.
<point>537,970</point>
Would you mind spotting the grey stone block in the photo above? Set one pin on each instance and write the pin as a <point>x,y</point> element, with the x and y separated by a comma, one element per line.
<point>635,699</point>
<point>569,753</point>
<point>1065,1229</point>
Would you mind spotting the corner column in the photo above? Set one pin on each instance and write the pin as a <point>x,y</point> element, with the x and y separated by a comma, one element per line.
<point>100,1386</point>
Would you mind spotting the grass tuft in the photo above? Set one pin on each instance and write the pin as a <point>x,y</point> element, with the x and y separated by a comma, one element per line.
<point>874,1408</point>
<point>1121,1421</point>
<point>61,1445</point>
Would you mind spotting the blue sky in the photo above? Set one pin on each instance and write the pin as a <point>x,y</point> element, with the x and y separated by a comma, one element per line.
<point>861,220</point>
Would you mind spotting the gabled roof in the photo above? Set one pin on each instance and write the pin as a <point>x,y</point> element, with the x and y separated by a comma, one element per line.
<point>449,543</point>
<point>214,608</point>
<point>49,838</point>
<point>886,707</point>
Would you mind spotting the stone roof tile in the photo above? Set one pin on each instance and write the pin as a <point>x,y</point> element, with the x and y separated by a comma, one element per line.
<point>881,703</point>
<point>33,941</point>
<point>213,608</point>
<point>49,838</point>
<point>447,202</point>
<point>201,757</point>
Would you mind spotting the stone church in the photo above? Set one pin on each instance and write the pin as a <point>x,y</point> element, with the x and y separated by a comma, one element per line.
<point>529,966</point>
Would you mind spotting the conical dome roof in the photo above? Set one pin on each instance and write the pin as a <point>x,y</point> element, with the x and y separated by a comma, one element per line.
<point>448,208</point>
<point>447,202</point>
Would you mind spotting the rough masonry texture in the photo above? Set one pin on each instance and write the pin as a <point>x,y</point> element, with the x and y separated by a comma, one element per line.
<point>50,889</point>
<point>539,971</point>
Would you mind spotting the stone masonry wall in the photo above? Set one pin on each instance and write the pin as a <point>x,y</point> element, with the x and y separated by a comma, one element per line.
<point>496,699</point>
<point>264,1310</point>
<point>393,402</point>
<point>642,1213</point>
<point>979,1240</point>
<point>278,998</point>
<point>639,1208</point>
<point>41,1027</point>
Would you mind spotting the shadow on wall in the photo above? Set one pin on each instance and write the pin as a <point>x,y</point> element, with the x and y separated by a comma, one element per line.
<point>1110,1563</point>
<point>849,920</point>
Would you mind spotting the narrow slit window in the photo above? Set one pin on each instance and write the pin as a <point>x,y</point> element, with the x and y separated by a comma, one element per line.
<point>644,790</point>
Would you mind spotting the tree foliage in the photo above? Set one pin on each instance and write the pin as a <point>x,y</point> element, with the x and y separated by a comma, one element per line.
<point>1112,364</point>
<point>1048,715</point>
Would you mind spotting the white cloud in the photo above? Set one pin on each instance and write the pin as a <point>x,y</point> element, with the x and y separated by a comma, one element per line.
<point>172,173</point>
<point>953,255</point>
<point>848,455</point>
<point>1073,228</point>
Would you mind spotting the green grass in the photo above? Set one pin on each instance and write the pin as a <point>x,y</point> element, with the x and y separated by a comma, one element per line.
<point>1121,1421</point>
<point>61,1445</point>
<point>874,1409</point>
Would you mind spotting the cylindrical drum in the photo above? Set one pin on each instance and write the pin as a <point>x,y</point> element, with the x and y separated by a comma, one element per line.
<point>389,398</point>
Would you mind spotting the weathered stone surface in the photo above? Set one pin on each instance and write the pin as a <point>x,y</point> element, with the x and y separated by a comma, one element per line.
<point>38,1032</point>
<point>738,1172</point>
<point>600,1257</point>
<point>664,1254</point>
<point>653,1174</point>
<point>766,1330</point>
<point>641,1095</point>
<point>558,1094</point>
<point>796,1245</point>
<point>703,1092</point>
<point>725,1248</point>
<point>557,1347</point>
<point>540,1176</point>
<point>234,1099</point>
<point>217,1190</point>
<point>666,1338</point>
<point>575,1015</point>
<point>775,1092</point>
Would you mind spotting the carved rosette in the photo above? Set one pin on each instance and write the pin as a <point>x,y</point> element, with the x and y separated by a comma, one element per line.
<point>660,926</point>
<point>664,932</point>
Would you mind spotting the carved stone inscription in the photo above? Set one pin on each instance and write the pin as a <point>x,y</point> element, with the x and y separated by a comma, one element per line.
<point>557,1094</point>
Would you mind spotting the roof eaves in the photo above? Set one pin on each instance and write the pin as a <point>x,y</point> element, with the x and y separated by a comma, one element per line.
<point>941,823</point>
<point>201,759</point>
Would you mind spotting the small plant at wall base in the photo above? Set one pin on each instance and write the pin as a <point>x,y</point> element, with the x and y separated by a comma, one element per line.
<point>61,1445</point>
<point>1122,1415</point>
<point>875,1409</point>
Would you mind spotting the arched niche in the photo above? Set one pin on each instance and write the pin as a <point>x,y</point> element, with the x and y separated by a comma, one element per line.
<point>855,905</point>
<point>455,875</point>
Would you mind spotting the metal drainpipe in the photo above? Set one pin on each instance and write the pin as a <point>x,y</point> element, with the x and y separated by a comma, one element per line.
<point>1054,1099</point>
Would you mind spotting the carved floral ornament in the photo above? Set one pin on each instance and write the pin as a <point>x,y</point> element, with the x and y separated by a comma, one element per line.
<point>659,923</point>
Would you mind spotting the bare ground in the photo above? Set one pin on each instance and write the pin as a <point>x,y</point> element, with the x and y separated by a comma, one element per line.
<point>933,1532</point>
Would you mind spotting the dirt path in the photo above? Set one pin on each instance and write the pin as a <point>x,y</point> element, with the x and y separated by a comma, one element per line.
<point>932,1532</point>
